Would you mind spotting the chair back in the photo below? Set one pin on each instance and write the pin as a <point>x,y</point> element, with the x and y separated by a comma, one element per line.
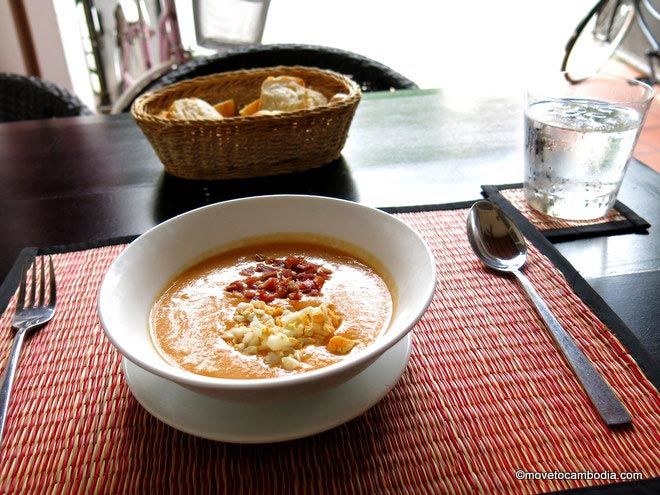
<point>31,98</point>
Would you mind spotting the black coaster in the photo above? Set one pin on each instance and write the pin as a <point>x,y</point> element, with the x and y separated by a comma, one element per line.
<point>620,220</point>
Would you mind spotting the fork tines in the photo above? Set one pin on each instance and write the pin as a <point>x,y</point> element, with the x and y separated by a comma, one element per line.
<point>37,289</point>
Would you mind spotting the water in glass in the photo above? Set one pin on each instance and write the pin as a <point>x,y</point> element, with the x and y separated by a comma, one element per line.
<point>576,151</point>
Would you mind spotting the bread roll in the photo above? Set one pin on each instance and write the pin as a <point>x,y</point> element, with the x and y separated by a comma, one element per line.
<point>283,94</point>
<point>192,109</point>
<point>268,112</point>
<point>338,98</point>
<point>315,99</point>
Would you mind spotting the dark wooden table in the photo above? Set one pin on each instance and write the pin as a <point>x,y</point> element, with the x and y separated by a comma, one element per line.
<point>81,179</point>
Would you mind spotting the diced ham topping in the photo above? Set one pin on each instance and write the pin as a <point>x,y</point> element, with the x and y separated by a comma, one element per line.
<point>288,278</point>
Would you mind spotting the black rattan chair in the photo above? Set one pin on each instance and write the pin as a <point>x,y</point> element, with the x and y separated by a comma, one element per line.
<point>371,75</point>
<point>31,98</point>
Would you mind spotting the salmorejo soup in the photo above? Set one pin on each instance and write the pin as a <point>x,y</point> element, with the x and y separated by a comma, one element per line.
<point>271,308</point>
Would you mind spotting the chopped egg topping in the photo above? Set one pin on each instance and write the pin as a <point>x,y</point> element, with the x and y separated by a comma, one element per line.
<point>282,334</point>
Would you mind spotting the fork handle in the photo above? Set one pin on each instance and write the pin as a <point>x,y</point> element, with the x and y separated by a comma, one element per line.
<point>8,377</point>
<point>601,394</point>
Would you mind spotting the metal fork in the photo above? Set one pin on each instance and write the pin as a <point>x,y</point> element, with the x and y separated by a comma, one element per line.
<point>29,315</point>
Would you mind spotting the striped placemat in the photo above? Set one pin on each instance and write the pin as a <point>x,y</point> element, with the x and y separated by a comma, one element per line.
<point>619,220</point>
<point>486,397</point>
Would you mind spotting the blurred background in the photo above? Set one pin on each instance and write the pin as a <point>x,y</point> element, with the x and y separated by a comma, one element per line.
<point>102,49</point>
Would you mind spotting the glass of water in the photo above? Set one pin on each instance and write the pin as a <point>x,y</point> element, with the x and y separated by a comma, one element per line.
<point>579,138</point>
<point>221,24</point>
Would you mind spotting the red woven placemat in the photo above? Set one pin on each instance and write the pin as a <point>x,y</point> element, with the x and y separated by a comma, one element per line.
<point>485,394</point>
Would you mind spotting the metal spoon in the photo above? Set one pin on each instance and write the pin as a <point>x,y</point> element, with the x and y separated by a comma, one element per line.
<point>500,245</point>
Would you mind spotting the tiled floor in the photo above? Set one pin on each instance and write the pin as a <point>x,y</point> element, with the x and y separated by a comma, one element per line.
<point>648,145</point>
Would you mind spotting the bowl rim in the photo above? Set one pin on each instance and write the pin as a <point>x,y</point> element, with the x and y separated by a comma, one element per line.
<point>191,379</point>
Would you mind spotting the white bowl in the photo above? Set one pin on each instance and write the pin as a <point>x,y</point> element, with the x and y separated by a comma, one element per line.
<point>141,272</point>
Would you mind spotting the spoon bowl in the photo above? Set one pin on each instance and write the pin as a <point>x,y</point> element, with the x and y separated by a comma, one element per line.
<point>494,238</point>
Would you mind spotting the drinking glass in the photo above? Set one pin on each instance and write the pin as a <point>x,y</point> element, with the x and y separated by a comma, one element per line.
<point>579,138</point>
<point>226,23</point>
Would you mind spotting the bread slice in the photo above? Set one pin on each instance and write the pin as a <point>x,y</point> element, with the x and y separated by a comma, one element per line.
<point>251,108</point>
<point>226,108</point>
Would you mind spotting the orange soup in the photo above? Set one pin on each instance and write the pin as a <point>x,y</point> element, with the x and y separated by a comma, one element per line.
<point>270,309</point>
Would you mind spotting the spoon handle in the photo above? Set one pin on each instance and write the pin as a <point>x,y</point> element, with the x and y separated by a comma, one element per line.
<point>601,394</point>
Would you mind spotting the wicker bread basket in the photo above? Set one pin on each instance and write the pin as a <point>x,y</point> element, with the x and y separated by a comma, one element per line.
<point>242,147</point>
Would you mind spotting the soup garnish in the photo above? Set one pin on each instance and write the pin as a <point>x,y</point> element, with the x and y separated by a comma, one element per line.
<point>271,278</point>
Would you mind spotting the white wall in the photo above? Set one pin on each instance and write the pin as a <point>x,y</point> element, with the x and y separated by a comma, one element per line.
<point>57,45</point>
<point>11,58</point>
<point>47,41</point>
